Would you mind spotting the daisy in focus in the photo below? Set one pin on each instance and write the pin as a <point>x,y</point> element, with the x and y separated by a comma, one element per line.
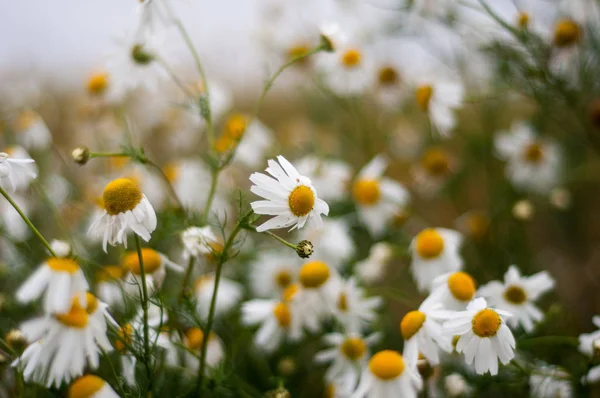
<point>454,290</point>
<point>31,130</point>
<point>534,163</point>
<point>125,208</point>
<point>435,251</point>
<point>517,295</point>
<point>484,336</point>
<point>378,198</point>
<point>90,386</point>
<point>15,172</point>
<point>290,197</point>
<point>155,268</point>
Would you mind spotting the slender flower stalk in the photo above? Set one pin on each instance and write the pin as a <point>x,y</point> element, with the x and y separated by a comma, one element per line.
<point>187,276</point>
<point>147,353</point>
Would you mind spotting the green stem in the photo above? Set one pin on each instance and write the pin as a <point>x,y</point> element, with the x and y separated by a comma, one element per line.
<point>174,77</point>
<point>114,372</point>
<point>550,340</point>
<point>28,222</point>
<point>285,242</point>
<point>107,154</point>
<point>147,353</point>
<point>186,278</point>
<point>211,194</point>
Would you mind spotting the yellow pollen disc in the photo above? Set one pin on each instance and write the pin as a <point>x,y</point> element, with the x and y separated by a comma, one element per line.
<point>91,303</point>
<point>423,97</point>
<point>216,251</point>
<point>366,192</point>
<point>462,286</point>
<point>388,76</point>
<point>411,324</point>
<point>430,244</point>
<point>85,386</point>
<point>236,126</point>
<point>290,292</point>
<point>111,273</point>
<point>77,317</point>
<point>342,302</point>
<point>314,274</point>
<point>533,153</point>
<point>150,257</point>
<point>121,195</point>
<point>25,120</point>
<point>283,279</point>
<point>301,201</point>
<point>478,225</point>
<point>329,391</point>
<point>515,295</point>
<point>351,58</point>
<point>224,144</point>
<point>523,20</point>
<point>353,348</point>
<point>282,314</point>
<point>386,365</point>
<point>299,50</point>
<point>194,336</point>
<point>486,323</point>
<point>62,265</point>
<point>97,83</point>
<point>171,171</point>
<point>125,334</point>
<point>567,32</point>
<point>435,162</point>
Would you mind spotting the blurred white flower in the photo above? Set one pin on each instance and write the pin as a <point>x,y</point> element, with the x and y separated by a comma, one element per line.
<point>272,272</point>
<point>228,295</point>
<point>31,130</point>
<point>16,173</point>
<point>550,382</point>
<point>333,242</point>
<point>197,241</point>
<point>330,177</point>
<point>372,269</point>
<point>92,387</point>
<point>353,308</point>
<point>155,269</point>
<point>456,385</point>
<point>215,349</point>
<point>61,248</point>
<point>454,290</point>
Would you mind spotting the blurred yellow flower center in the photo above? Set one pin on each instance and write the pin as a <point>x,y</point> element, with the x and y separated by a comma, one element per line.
<point>515,294</point>
<point>283,279</point>
<point>435,162</point>
<point>121,195</point>
<point>351,58</point>
<point>86,386</point>
<point>462,286</point>
<point>430,244</point>
<point>411,324</point>
<point>533,153</point>
<point>486,323</point>
<point>25,120</point>
<point>386,365</point>
<point>97,83</point>
<point>388,76</point>
<point>236,126</point>
<point>366,192</point>
<point>423,96</point>
<point>455,340</point>
<point>298,50</point>
<point>353,348</point>
<point>110,273</point>
<point>342,302</point>
<point>523,20</point>
<point>171,171</point>
<point>125,338</point>
<point>77,317</point>
<point>150,257</point>
<point>194,338</point>
<point>329,391</point>
<point>282,314</point>
<point>314,274</point>
<point>567,32</point>
<point>118,162</point>
<point>301,201</point>
<point>91,303</point>
<point>62,265</point>
<point>478,225</point>
<point>290,291</point>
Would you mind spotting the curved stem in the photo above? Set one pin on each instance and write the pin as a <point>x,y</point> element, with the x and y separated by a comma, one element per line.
<point>167,184</point>
<point>211,195</point>
<point>186,278</point>
<point>147,353</point>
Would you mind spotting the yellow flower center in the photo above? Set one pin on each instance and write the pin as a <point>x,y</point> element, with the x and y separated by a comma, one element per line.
<point>62,265</point>
<point>486,323</point>
<point>236,126</point>
<point>462,286</point>
<point>523,20</point>
<point>77,317</point>
<point>342,302</point>
<point>283,279</point>
<point>97,83</point>
<point>110,273</point>
<point>301,201</point>
<point>171,171</point>
<point>125,334</point>
<point>351,58</point>
<point>224,144</point>
<point>329,391</point>
<point>121,195</point>
<point>533,153</point>
<point>411,324</point>
<point>567,32</point>
<point>151,258</point>
<point>353,348</point>
<point>290,292</point>
<point>91,303</point>
<point>314,274</point>
<point>366,192</point>
<point>430,244</point>
<point>298,50</point>
<point>478,225</point>
<point>515,295</point>
<point>25,120</point>
<point>85,386</point>
<point>423,96</point>
<point>435,162</point>
<point>282,314</point>
<point>386,365</point>
<point>194,338</point>
<point>388,76</point>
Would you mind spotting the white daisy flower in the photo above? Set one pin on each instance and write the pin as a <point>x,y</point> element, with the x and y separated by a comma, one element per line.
<point>333,242</point>
<point>353,308</point>
<point>456,386</point>
<point>593,376</point>
<point>90,386</point>
<point>378,198</point>
<point>517,295</point>
<point>453,290</point>
<point>336,389</point>
<point>484,336</point>
<point>587,341</point>
<point>432,171</point>
<point>272,272</point>
<point>348,355</point>
<point>422,333</point>
<point>197,241</point>
<point>435,251</point>
<point>170,342</point>
<point>215,350</point>
<point>61,248</point>
<point>289,196</point>
<point>440,97</point>
<point>31,130</point>
<point>228,295</point>
<point>372,269</point>
<point>125,207</point>
<point>387,75</point>
<point>330,177</point>
<point>155,268</point>
<point>389,375</point>
<point>58,280</point>
<point>16,173</point>
<point>534,163</point>
<point>250,139</point>
<point>153,16</point>
<point>13,224</point>
<point>550,382</point>
<point>110,285</point>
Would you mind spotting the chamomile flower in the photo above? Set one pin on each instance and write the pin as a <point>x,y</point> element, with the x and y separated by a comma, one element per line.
<point>16,173</point>
<point>13,225</point>
<point>587,341</point>
<point>90,386</point>
<point>534,163</point>
<point>333,241</point>
<point>272,272</point>
<point>387,375</point>
<point>517,295</point>
<point>372,269</point>
<point>249,138</point>
<point>550,382</point>
<point>58,280</point>
<point>387,73</point>
<point>353,308</point>
<point>433,170</point>
<point>439,97</point>
<point>422,333</point>
<point>155,268</point>
<point>484,336</point>
<point>453,290</point>
<point>110,285</point>
<point>31,130</point>
<point>316,297</point>
<point>215,350</point>
<point>289,196</point>
<point>348,355</point>
<point>228,295</point>
<point>125,207</point>
<point>435,251</point>
<point>170,342</point>
<point>378,198</point>
<point>197,241</point>
<point>329,177</point>
<point>455,385</point>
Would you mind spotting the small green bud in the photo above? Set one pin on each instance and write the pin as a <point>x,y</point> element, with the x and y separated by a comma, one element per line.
<point>304,249</point>
<point>81,155</point>
<point>140,55</point>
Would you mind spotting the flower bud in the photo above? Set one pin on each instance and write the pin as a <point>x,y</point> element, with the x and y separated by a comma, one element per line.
<point>304,249</point>
<point>60,248</point>
<point>560,198</point>
<point>81,155</point>
<point>286,366</point>
<point>523,210</point>
<point>16,340</point>
<point>456,385</point>
<point>140,55</point>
